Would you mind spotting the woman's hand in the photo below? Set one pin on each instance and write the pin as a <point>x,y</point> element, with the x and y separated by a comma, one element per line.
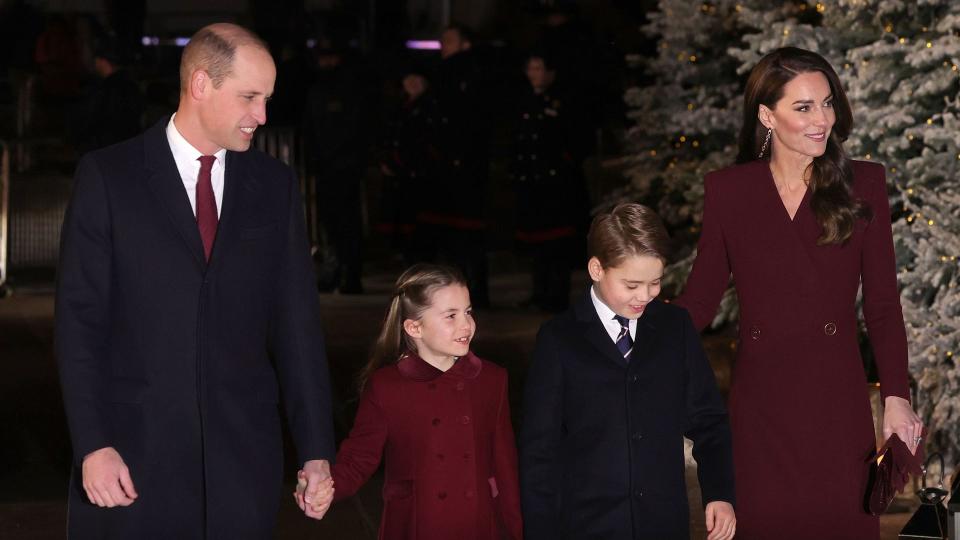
<point>899,418</point>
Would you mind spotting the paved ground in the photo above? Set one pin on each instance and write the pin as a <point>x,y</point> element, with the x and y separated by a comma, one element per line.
<point>35,448</point>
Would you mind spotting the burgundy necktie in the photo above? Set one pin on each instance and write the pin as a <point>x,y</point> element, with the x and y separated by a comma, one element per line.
<point>206,205</point>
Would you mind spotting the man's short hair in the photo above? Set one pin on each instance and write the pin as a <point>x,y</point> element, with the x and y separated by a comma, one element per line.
<point>629,229</point>
<point>212,49</point>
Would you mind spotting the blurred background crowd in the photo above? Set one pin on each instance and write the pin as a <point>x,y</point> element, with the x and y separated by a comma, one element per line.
<point>421,130</point>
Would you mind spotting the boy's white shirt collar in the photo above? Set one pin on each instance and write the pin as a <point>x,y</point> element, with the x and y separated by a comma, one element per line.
<point>606,317</point>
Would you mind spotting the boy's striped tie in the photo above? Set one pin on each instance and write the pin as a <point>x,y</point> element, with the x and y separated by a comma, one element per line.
<point>624,341</point>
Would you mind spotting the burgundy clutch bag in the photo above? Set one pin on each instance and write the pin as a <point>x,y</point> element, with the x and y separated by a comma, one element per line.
<point>890,470</point>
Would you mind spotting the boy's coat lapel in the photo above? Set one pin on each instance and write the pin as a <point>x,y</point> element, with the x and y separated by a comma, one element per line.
<point>646,341</point>
<point>594,331</point>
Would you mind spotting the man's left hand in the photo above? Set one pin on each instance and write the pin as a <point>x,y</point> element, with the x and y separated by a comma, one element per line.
<point>314,492</point>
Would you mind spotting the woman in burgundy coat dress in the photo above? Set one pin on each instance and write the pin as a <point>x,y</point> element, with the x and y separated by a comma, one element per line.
<point>801,227</point>
<point>441,417</point>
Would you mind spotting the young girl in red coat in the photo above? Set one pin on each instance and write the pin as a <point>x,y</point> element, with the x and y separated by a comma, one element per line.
<point>438,415</point>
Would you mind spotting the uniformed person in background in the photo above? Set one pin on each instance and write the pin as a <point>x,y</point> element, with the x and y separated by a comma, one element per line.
<point>546,171</point>
<point>112,107</point>
<point>337,132</point>
<point>452,221</point>
<point>407,162</point>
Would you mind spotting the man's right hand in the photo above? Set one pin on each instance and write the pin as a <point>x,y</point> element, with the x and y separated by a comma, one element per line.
<point>106,479</point>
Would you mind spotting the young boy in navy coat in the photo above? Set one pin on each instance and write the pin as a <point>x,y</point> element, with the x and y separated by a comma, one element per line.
<point>616,382</point>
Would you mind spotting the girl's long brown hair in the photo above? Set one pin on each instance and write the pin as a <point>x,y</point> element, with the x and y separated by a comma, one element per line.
<point>831,175</point>
<point>411,296</point>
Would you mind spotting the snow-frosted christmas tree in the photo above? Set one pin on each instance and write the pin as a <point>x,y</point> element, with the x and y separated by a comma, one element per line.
<point>899,62</point>
<point>686,122</point>
<point>905,87</point>
<point>683,121</point>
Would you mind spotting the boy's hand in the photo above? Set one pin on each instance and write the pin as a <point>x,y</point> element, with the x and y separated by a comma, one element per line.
<point>721,521</point>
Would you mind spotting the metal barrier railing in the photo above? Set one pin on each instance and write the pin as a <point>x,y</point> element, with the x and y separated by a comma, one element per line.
<point>32,205</point>
<point>285,144</point>
<point>4,212</point>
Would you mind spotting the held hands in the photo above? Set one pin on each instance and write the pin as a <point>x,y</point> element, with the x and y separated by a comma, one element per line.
<point>899,418</point>
<point>106,479</point>
<point>721,521</point>
<point>314,492</point>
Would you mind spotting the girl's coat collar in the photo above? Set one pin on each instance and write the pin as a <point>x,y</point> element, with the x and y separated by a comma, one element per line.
<point>413,367</point>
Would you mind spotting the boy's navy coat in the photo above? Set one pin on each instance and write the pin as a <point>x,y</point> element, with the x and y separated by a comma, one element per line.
<point>179,364</point>
<point>601,445</point>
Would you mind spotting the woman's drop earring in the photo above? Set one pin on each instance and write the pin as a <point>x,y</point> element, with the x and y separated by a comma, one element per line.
<point>766,142</point>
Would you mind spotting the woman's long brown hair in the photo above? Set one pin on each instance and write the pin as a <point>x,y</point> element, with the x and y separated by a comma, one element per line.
<point>831,174</point>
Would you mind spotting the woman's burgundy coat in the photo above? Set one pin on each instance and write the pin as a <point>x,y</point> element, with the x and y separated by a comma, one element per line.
<point>802,426</point>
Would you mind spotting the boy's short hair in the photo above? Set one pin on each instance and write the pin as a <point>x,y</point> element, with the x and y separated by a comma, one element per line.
<point>629,229</point>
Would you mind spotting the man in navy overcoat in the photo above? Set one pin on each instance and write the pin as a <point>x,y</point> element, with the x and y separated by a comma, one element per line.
<point>185,312</point>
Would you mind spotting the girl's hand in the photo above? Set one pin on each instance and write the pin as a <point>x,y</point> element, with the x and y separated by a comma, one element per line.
<point>323,499</point>
<point>899,418</point>
<point>721,521</point>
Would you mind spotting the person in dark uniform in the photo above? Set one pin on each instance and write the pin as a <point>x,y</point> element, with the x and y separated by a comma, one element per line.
<point>336,131</point>
<point>547,178</point>
<point>451,220</point>
<point>406,160</point>
<point>113,105</point>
